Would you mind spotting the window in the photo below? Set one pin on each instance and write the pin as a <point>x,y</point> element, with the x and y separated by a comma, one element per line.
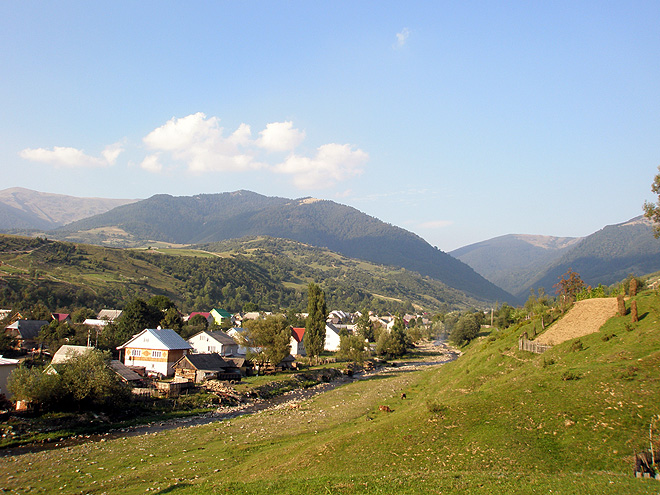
<point>211,348</point>
<point>136,352</point>
<point>156,354</point>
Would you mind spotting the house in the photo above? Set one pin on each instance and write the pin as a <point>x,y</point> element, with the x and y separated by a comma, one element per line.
<point>155,349</point>
<point>240,363</point>
<point>297,341</point>
<point>238,334</point>
<point>126,374</point>
<point>25,332</point>
<point>213,341</point>
<point>221,315</point>
<point>201,367</point>
<point>250,315</point>
<point>93,322</point>
<point>109,314</point>
<point>6,367</point>
<point>331,337</point>
<point>66,352</point>
<point>4,313</point>
<point>62,317</point>
<point>206,316</point>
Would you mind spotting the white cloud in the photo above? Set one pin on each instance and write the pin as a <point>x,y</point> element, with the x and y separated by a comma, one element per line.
<point>402,37</point>
<point>280,136</point>
<point>152,164</point>
<point>200,144</point>
<point>332,163</point>
<point>436,224</point>
<point>61,156</point>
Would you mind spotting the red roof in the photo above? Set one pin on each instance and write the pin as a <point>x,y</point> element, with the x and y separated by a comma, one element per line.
<point>60,316</point>
<point>297,333</point>
<point>205,315</point>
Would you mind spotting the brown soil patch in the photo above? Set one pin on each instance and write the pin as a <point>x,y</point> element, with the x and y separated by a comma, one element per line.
<point>583,318</point>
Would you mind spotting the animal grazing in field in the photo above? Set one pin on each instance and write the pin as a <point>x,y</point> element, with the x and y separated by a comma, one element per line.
<point>403,395</point>
<point>385,408</point>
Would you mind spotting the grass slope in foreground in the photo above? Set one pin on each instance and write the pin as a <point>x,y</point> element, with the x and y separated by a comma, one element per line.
<point>497,420</point>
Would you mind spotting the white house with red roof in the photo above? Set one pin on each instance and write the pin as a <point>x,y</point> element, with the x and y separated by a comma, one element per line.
<point>297,341</point>
<point>156,350</point>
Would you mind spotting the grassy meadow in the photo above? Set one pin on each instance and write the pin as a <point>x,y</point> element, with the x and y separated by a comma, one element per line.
<point>497,420</point>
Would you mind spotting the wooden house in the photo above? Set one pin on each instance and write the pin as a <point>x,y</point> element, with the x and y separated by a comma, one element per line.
<point>155,349</point>
<point>200,367</point>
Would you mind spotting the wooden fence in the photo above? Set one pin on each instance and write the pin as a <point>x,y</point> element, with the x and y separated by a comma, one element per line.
<point>524,344</point>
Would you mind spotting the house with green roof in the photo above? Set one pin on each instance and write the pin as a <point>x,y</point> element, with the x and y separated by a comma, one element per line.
<point>222,315</point>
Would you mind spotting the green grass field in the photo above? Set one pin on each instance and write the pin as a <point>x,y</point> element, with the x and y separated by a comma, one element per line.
<point>497,420</point>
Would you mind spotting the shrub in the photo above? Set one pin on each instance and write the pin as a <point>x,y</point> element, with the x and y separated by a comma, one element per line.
<point>467,328</point>
<point>84,382</point>
<point>607,337</point>
<point>570,375</point>
<point>435,408</point>
<point>577,346</point>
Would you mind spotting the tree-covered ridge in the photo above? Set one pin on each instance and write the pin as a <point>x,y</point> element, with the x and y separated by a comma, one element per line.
<point>607,256</point>
<point>270,273</point>
<point>340,228</point>
<point>344,279</point>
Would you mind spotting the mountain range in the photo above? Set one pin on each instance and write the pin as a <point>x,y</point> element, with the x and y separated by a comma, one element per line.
<point>520,263</point>
<point>502,269</point>
<point>24,209</point>
<point>210,218</point>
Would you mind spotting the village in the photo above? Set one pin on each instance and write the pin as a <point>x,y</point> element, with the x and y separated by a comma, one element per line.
<point>161,362</point>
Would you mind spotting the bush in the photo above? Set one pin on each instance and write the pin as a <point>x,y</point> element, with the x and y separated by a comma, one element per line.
<point>467,328</point>
<point>84,382</point>
<point>577,346</point>
<point>435,408</point>
<point>570,375</point>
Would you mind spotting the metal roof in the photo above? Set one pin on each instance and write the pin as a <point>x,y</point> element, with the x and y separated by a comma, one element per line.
<point>164,338</point>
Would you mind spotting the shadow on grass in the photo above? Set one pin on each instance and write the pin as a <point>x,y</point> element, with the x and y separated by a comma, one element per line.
<point>175,488</point>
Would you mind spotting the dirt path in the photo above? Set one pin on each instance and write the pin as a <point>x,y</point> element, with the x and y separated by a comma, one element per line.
<point>583,318</point>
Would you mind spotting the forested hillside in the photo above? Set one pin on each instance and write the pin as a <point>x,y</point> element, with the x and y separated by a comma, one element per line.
<point>513,261</point>
<point>520,263</point>
<point>607,256</point>
<point>340,228</point>
<point>271,274</point>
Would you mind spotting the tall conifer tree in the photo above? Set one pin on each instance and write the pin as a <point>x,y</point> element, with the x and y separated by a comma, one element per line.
<point>315,323</point>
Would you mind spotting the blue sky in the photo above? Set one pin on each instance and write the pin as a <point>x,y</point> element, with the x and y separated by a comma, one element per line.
<point>459,121</point>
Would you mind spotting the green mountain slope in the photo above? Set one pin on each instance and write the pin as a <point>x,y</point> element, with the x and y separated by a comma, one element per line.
<point>340,228</point>
<point>607,256</point>
<point>514,261</point>
<point>497,420</point>
<point>271,273</point>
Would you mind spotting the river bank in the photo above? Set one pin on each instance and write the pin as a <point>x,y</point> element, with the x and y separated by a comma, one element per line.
<point>427,354</point>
